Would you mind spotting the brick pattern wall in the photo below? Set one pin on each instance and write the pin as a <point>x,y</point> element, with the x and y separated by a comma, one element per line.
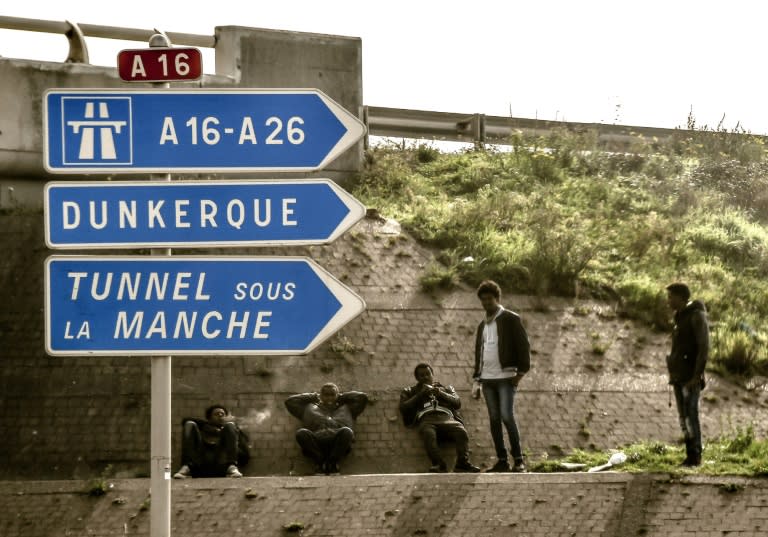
<point>573,505</point>
<point>72,416</point>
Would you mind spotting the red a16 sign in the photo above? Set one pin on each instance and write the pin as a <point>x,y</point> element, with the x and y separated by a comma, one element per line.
<point>159,64</point>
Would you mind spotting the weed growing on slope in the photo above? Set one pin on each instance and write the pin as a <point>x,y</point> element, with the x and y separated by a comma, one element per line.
<point>558,215</point>
<point>738,453</point>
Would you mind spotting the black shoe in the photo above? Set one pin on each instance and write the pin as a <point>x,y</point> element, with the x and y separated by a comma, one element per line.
<point>465,467</point>
<point>519,467</point>
<point>500,466</point>
<point>692,455</point>
<point>439,468</point>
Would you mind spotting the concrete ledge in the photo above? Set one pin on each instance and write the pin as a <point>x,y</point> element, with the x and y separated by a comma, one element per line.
<point>577,504</point>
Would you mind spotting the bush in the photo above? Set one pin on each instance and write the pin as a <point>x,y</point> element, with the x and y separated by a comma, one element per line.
<point>559,215</point>
<point>739,350</point>
<point>438,276</point>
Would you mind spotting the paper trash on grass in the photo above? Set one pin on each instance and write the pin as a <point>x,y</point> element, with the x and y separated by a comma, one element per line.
<point>615,460</point>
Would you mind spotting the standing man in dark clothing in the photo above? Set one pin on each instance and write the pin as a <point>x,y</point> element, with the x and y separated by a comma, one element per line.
<point>433,409</point>
<point>329,421</point>
<point>502,357</point>
<point>209,447</point>
<point>686,363</point>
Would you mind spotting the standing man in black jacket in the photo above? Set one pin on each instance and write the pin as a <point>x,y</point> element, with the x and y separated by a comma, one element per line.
<point>686,363</point>
<point>502,357</point>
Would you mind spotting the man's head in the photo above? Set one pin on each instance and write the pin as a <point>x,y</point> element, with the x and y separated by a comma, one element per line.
<point>216,414</point>
<point>423,373</point>
<point>678,295</point>
<point>489,294</point>
<point>329,393</point>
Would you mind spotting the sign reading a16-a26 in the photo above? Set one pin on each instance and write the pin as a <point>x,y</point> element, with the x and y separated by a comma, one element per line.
<point>239,130</point>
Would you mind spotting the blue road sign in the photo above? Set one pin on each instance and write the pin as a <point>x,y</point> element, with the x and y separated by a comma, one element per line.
<point>136,305</point>
<point>145,214</point>
<point>167,131</point>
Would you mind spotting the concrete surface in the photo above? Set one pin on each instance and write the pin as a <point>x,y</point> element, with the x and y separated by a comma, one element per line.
<point>446,505</point>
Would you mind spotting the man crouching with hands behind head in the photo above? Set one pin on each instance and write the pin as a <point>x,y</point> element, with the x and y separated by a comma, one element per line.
<point>433,409</point>
<point>328,422</point>
<point>502,357</point>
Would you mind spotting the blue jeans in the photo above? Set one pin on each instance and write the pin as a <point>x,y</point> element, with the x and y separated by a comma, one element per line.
<point>687,400</point>
<point>499,397</point>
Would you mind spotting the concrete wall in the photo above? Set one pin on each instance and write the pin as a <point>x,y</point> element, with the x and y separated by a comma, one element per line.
<point>261,58</point>
<point>245,58</point>
<point>499,505</point>
<point>72,416</point>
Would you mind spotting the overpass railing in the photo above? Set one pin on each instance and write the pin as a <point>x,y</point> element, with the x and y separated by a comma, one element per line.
<point>480,129</point>
<point>477,129</point>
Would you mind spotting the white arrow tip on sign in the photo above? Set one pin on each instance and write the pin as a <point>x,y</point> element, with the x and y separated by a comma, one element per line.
<point>352,305</point>
<point>355,129</point>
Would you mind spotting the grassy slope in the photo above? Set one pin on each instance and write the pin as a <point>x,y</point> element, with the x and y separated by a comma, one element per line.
<point>558,216</point>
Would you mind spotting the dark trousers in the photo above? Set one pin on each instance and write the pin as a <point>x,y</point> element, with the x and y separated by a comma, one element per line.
<point>499,397</point>
<point>326,445</point>
<point>687,400</point>
<point>206,459</point>
<point>436,426</point>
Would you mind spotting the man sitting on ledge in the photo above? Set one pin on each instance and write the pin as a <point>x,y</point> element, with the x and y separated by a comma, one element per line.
<point>212,447</point>
<point>433,409</point>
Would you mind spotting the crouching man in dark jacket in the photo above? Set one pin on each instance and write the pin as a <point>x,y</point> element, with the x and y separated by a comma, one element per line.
<point>686,363</point>
<point>433,409</point>
<point>328,420</point>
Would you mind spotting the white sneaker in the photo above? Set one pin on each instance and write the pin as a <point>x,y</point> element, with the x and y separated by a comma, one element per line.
<point>183,473</point>
<point>232,471</point>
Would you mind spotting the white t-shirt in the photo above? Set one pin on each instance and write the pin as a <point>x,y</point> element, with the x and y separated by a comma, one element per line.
<point>491,363</point>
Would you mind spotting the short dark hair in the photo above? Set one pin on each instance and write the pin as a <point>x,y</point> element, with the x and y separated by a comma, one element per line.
<point>422,365</point>
<point>489,287</point>
<point>679,289</point>
<point>210,409</point>
<point>329,385</point>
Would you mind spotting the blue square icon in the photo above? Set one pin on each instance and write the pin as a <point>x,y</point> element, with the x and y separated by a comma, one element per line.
<point>96,131</point>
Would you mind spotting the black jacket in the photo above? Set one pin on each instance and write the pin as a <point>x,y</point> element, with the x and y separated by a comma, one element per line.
<point>690,344</point>
<point>413,398</point>
<point>514,349</point>
<point>315,416</point>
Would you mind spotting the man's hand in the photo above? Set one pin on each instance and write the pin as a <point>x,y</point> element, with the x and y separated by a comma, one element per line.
<point>476,389</point>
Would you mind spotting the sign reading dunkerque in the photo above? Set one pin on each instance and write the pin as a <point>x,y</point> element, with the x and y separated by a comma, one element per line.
<point>129,214</point>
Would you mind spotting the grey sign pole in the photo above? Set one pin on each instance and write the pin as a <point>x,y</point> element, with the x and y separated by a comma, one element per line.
<point>160,443</point>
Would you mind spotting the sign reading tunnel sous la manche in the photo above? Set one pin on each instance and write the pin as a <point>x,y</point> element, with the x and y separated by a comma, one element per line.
<point>138,305</point>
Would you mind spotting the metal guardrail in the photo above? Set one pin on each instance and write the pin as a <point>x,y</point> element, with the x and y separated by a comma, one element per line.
<point>478,129</point>
<point>75,33</point>
<point>108,32</point>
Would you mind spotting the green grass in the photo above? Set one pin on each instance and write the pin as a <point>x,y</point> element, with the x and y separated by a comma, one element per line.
<point>556,215</point>
<point>737,454</point>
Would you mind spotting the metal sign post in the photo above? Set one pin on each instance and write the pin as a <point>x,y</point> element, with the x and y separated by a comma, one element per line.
<point>160,402</point>
<point>162,305</point>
